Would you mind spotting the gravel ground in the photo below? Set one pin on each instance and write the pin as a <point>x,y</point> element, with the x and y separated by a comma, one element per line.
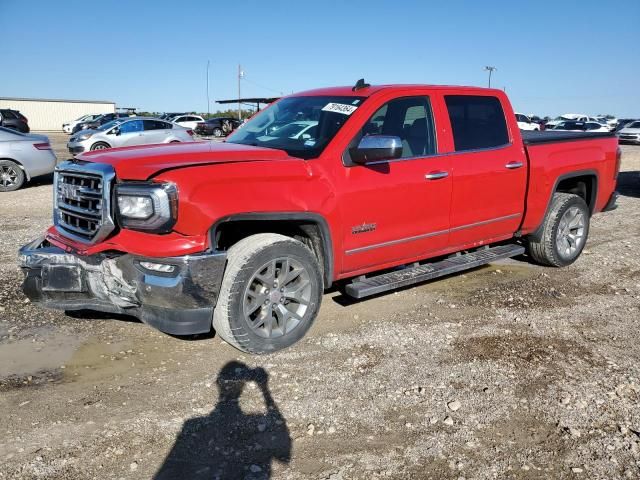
<point>507,371</point>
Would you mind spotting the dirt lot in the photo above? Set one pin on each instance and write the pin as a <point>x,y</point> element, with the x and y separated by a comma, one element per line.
<point>508,371</point>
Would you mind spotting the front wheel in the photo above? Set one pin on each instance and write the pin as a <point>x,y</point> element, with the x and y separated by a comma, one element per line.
<point>270,293</point>
<point>99,146</point>
<point>564,231</point>
<point>217,132</point>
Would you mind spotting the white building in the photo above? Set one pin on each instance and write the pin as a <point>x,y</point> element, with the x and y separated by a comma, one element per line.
<point>46,114</point>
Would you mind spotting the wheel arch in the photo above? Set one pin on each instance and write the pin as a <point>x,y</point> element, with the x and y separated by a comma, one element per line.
<point>311,227</point>
<point>573,182</point>
<point>100,141</point>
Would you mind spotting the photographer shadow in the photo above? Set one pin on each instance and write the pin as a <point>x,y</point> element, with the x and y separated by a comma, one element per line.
<point>229,443</point>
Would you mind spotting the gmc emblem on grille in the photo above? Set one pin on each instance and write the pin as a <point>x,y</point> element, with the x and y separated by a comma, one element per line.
<point>70,191</point>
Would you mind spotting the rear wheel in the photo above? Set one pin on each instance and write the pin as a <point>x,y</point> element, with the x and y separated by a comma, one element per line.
<point>564,231</point>
<point>11,176</point>
<point>217,132</point>
<point>270,293</point>
<point>100,146</point>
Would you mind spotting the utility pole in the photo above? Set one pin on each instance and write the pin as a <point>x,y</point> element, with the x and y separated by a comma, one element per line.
<point>208,101</point>
<point>490,70</point>
<point>240,75</point>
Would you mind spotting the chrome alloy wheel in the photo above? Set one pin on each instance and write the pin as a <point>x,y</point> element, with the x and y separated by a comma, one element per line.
<point>277,297</point>
<point>8,176</point>
<point>571,232</point>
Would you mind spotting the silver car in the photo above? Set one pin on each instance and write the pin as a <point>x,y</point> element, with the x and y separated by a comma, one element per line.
<point>22,157</point>
<point>126,132</point>
<point>630,133</point>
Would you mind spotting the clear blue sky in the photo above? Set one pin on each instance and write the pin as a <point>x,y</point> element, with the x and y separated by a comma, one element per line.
<point>552,56</point>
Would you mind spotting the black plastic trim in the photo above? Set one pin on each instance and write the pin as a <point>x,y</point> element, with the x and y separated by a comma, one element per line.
<point>535,138</point>
<point>327,245</point>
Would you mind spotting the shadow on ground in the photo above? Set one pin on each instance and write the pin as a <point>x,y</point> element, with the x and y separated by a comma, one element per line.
<point>229,443</point>
<point>629,184</point>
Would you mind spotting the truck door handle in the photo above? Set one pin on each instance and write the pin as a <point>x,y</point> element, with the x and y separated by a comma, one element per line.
<point>436,175</point>
<point>514,165</point>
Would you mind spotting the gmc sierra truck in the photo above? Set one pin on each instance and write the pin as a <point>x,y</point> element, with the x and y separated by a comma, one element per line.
<point>370,187</point>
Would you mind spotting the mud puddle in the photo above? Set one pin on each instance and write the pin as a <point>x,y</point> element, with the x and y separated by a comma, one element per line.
<point>41,353</point>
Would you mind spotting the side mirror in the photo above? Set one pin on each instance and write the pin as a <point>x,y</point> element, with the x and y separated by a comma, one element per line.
<point>376,147</point>
<point>116,131</point>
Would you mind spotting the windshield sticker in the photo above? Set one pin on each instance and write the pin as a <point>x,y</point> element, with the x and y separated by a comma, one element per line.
<point>355,102</point>
<point>309,143</point>
<point>339,108</point>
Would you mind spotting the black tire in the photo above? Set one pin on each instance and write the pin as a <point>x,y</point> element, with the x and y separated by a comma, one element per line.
<point>217,132</point>
<point>12,177</point>
<point>250,258</point>
<point>174,141</point>
<point>100,146</point>
<point>548,247</point>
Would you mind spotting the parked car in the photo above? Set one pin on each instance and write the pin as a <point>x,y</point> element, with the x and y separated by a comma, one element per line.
<point>610,120</point>
<point>188,121</point>
<point>68,127</point>
<point>623,122</point>
<point>97,122</point>
<point>630,133</point>
<point>22,157</point>
<point>581,126</point>
<point>569,117</point>
<point>169,115</point>
<point>525,123</point>
<point>14,120</point>
<point>217,126</point>
<point>243,236</point>
<point>126,132</point>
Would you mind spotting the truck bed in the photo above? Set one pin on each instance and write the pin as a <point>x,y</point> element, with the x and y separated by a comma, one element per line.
<point>534,138</point>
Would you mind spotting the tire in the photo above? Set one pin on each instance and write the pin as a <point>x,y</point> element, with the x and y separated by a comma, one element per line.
<point>217,132</point>
<point>174,141</point>
<point>99,146</point>
<point>564,231</point>
<point>12,177</point>
<point>245,307</point>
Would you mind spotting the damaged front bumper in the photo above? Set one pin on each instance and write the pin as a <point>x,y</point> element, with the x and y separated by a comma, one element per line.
<point>179,301</point>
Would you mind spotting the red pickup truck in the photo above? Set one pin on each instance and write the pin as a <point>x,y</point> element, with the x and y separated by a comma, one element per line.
<point>372,187</point>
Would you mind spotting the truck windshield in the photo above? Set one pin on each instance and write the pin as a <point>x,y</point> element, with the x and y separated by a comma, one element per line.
<point>281,125</point>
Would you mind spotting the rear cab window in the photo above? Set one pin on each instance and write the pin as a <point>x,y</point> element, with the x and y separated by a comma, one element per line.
<point>477,122</point>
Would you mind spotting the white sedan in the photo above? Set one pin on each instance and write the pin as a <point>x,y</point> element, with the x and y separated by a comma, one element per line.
<point>525,123</point>
<point>630,133</point>
<point>68,127</point>
<point>188,121</point>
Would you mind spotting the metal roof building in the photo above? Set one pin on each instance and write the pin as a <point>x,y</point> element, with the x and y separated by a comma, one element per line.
<point>46,114</point>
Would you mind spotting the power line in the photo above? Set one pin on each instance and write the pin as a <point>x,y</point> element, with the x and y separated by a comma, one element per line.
<point>261,86</point>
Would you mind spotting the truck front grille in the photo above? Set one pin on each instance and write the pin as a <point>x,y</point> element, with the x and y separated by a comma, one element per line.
<point>82,201</point>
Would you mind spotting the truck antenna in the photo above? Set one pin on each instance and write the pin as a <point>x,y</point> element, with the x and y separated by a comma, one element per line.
<point>360,84</point>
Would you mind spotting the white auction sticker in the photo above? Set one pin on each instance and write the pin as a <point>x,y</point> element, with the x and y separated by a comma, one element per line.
<point>339,108</point>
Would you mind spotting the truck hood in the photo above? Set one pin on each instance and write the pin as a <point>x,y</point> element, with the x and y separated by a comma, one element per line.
<point>145,161</point>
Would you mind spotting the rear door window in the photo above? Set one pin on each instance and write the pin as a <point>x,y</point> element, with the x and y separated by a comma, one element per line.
<point>477,122</point>
<point>154,125</point>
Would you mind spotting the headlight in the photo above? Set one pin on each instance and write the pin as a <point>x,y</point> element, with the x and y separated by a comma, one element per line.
<point>150,207</point>
<point>84,136</point>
